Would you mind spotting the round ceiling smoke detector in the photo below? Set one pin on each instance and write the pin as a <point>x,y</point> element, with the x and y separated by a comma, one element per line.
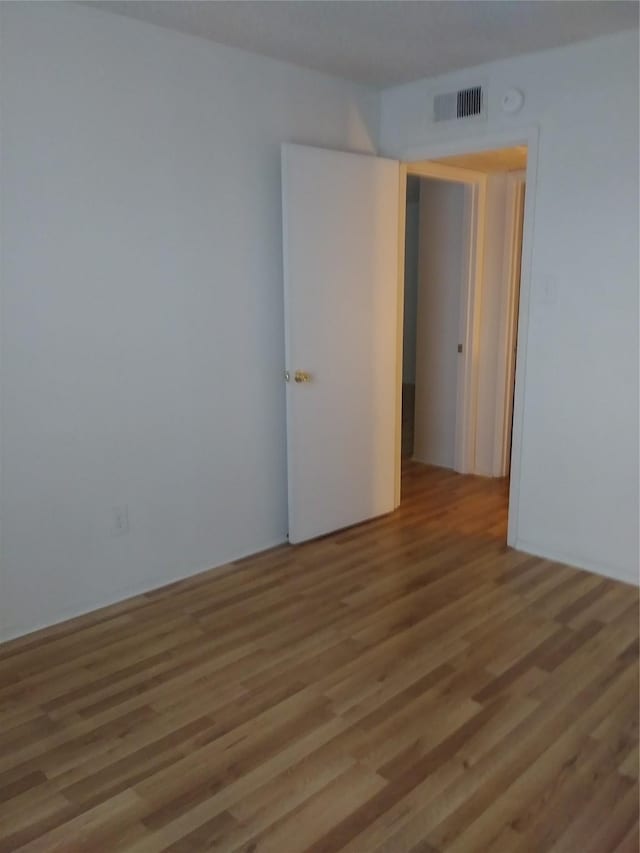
<point>512,101</point>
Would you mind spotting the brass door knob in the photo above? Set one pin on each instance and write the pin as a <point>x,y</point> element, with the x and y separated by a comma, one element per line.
<point>301,376</point>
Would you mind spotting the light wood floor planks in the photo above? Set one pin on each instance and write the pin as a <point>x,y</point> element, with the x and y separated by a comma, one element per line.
<point>409,686</point>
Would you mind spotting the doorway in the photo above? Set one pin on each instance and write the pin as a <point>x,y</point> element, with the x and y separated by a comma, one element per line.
<point>343,263</point>
<point>463,227</point>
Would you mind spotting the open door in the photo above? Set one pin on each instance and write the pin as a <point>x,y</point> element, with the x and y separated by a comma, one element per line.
<point>340,240</point>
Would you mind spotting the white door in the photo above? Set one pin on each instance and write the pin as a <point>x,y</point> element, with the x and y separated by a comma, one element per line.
<point>340,238</point>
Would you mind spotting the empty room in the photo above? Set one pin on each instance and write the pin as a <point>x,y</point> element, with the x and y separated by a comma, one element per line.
<point>319,439</point>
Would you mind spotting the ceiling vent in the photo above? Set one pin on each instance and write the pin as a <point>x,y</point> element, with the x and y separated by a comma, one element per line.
<point>463,104</point>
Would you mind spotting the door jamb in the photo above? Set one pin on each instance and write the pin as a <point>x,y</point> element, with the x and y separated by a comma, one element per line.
<point>402,225</point>
<point>507,342</point>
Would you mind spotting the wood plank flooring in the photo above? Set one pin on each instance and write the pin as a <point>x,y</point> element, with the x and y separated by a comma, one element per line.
<point>407,685</point>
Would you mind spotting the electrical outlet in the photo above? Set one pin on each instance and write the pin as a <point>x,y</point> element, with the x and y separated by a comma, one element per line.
<point>120,520</point>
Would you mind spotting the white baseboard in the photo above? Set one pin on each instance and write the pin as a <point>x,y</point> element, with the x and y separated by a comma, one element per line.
<point>617,573</point>
<point>13,631</point>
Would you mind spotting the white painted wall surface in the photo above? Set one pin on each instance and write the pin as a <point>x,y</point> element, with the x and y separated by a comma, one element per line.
<point>441,268</point>
<point>579,456</point>
<point>142,306</point>
<point>410,293</point>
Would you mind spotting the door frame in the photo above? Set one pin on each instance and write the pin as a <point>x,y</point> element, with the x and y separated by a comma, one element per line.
<point>507,342</point>
<point>528,136</point>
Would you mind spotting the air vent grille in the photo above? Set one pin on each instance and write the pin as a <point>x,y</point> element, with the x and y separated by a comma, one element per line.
<point>469,102</point>
<point>465,103</point>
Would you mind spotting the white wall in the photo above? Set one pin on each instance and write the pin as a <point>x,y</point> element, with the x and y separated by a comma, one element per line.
<point>141,303</point>
<point>142,337</point>
<point>441,268</point>
<point>410,292</point>
<point>579,454</point>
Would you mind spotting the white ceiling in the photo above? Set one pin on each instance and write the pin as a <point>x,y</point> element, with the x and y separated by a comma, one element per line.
<point>385,42</point>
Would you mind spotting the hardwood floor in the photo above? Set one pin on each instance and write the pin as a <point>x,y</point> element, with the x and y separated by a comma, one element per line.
<point>406,685</point>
